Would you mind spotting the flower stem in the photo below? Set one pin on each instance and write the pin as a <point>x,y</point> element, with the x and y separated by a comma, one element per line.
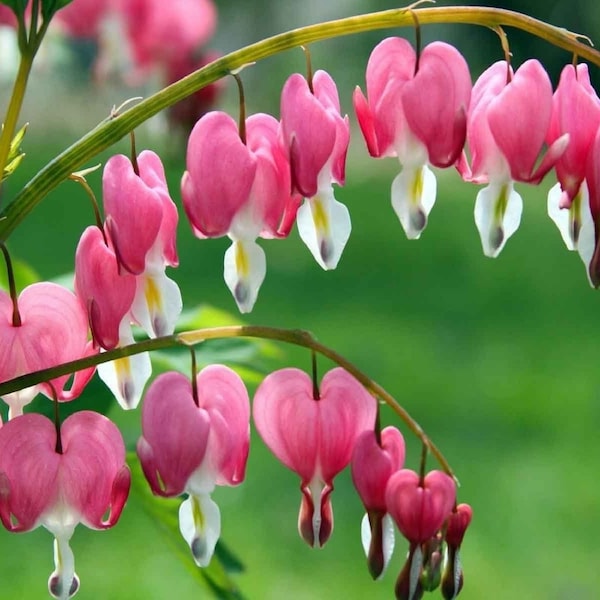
<point>116,127</point>
<point>188,338</point>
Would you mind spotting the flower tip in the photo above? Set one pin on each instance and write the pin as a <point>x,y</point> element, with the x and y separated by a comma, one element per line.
<point>56,586</point>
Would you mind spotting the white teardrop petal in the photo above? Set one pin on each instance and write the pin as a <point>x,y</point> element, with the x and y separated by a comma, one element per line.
<point>244,270</point>
<point>200,526</point>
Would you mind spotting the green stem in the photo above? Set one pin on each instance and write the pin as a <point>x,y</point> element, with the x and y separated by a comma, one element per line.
<point>116,127</point>
<point>189,338</point>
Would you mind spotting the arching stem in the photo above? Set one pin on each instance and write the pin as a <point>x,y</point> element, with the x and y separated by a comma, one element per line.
<point>12,287</point>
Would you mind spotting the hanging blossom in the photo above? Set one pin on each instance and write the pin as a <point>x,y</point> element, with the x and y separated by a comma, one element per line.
<point>374,460</point>
<point>456,527</point>
<point>576,112</point>
<point>416,110</point>
<point>419,507</point>
<point>313,434</point>
<point>59,480</point>
<point>317,138</point>
<point>239,188</point>
<point>120,270</point>
<point>508,121</point>
<point>194,439</point>
<point>589,237</point>
<point>53,329</point>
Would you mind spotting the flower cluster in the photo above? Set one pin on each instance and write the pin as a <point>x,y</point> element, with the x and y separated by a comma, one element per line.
<point>256,179</point>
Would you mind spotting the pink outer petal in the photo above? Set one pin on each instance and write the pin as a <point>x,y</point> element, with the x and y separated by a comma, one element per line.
<point>419,512</point>
<point>346,410</point>
<point>28,470</point>
<point>174,434</point>
<point>223,395</point>
<point>519,118</point>
<point>133,212</point>
<point>390,66</point>
<point>486,156</point>
<point>93,476</point>
<point>273,204</point>
<point>326,92</point>
<point>53,330</point>
<point>592,176</point>
<point>312,437</point>
<point>436,101</point>
<point>458,522</point>
<point>309,131</point>
<point>286,417</point>
<point>220,174</point>
<point>576,111</point>
<point>366,121</point>
<point>105,294</point>
<point>373,465</point>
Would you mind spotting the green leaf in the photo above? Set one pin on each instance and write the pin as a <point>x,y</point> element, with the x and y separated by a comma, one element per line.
<point>49,7</point>
<point>164,514</point>
<point>17,6</point>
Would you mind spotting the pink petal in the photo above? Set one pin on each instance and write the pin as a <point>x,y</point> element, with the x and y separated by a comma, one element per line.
<point>286,417</point>
<point>28,470</point>
<point>519,118</point>
<point>92,466</point>
<point>436,101</point>
<point>420,510</point>
<point>104,293</point>
<point>133,212</point>
<point>309,131</point>
<point>223,395</point>
<point>175,434</point>
<point>366,121</point>
<point>373,465</point>
<point>220,174</point>
<point>458,522</point>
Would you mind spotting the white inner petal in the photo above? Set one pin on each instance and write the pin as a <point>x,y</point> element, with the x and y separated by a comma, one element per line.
<point>244,270</point>
<point>200,526</point>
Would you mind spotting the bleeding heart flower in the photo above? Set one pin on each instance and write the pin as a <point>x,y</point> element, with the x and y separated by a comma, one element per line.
<point>313,435</point>
<point>452,578</point>
<point>53,330</point>
<point>373,463</point>
<point>193,440</point>
<point>60,480</point>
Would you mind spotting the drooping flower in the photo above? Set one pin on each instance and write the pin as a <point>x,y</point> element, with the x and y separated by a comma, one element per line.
<point>138,195</point>
<point>317,138</point>
<point>416,110</point>
<point>576,112</point>
<point>373,463</point>
<point>59,482</point>
<point>507,125</point>
<point>452,578</point>
<point>313,436</point>
<point>53,330</point>
<point>192,441</point>
<point>419,508</point>
<point>239,188</point>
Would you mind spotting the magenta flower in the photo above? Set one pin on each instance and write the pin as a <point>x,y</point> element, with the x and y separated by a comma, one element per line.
<point>317,138</point>
<point>60,482</point>
<point>452,578</point>
<point>508,121</point>
<point>53,330</point>
<point>159,31</point>
<point>373,463</point>
<point>108,295</point>
<point>131,199</point>
<point>589,240</point>
<point>313,436</point>
<point>240,189</point>
<point>575,111</point>
<point>417,112</point>
<point>192,441</point>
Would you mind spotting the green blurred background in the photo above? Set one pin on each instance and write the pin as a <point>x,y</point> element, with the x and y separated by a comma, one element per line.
<point>497,359</point>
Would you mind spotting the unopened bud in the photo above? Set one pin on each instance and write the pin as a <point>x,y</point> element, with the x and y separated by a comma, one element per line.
<point>432,564</point>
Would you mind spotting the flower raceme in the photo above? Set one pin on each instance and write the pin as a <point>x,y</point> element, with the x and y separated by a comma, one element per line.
<point>313,435</point>
<point>194,438</point>
<point>240,188</point>
<point>61,479</point>
<point>416,109</point>
<point>317,138</point>
<point>507,125</point>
